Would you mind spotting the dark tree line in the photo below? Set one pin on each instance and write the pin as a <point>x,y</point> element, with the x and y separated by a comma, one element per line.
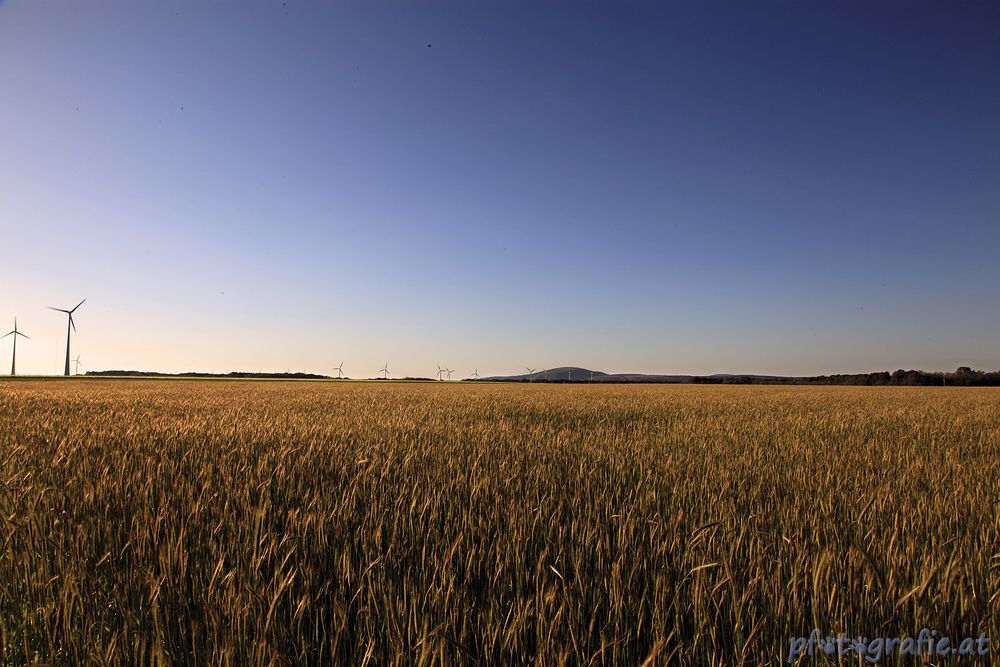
<point>193,374</point>
<point>962,377</point>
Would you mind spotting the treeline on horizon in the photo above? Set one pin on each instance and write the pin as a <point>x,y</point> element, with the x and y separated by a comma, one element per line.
<point>962,377</point>
<point>196,374</point>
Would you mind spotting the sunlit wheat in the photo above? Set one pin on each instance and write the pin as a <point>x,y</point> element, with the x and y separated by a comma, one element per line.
<point>378,523</point>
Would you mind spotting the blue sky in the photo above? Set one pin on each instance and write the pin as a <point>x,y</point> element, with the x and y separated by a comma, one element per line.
<point>679,187</point>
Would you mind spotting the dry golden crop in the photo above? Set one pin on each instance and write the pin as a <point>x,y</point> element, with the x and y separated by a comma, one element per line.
<point>242,523</point>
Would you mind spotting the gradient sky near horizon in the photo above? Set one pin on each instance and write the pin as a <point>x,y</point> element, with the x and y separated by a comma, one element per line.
<point>788,188</point>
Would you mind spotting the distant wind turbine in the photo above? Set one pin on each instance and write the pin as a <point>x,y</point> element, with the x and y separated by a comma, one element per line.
<point>440,371</point>
<point>340,371</point>
<point>70,324</point>
<point>475,374</point>
<point>77,362</point>
<point>531,373</point>
<point>13,358</point>
<point>449,372</point>
<point>385,371</point>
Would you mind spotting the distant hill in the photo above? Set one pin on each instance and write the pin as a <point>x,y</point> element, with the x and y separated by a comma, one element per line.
<point>579,374</point>
<point>561,374</point>
<point>963,377</point>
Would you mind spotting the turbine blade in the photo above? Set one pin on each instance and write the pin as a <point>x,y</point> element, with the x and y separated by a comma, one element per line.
<point>6,334</point>
<point>72,323</point>
<point>24,335</point>
<point>77,305</point>
<point>61,310</point>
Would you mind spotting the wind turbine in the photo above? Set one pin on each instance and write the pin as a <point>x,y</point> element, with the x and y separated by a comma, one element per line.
<point>70,324</point>
<point>449,372</point>
<point>385,370</point>
<point>340,371</point>
<point>77,362</point>
<point>475,373</point>
<point>13,359</point>
<point>440,371</point>
<point>531,373</point>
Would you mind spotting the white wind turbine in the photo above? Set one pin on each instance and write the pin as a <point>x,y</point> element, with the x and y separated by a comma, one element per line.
<point>475,374</point>
<point>340,371</point>
<point>69,324</point>
<point>531,373</point>
<point>440,371</point>
<point>385,371</point>
<point>13,358</point>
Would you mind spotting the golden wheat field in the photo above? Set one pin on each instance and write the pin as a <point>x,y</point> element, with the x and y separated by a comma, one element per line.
<point>248,523</point>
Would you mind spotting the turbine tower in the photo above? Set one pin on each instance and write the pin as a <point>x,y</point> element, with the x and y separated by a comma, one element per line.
<point>13,358</point>
<point>385,371</point>
<point>69,325</point>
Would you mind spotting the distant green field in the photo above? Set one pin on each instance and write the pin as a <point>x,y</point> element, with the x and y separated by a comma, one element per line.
<point>250,522</point>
